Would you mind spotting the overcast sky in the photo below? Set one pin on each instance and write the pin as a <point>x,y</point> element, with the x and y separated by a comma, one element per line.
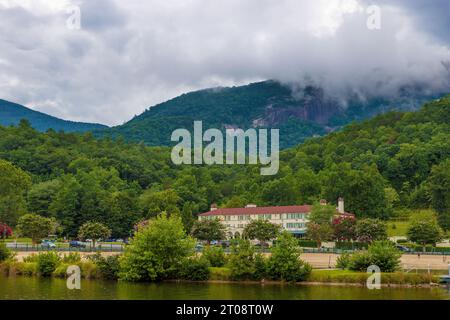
<point>129,55</point>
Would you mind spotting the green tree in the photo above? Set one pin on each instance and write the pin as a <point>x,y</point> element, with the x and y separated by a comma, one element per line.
<point>41,195</point>
<point>35,227</point>
<point>187,216</point>
<point>14,182</point>
<point>440,192</point>
<point>369,230</point>
<point>156,250</point>
<point>208,230</point>
<point>322,214</point>
<point>242,262</point>
<point>261,230</point>
<point>425,231</point>
<point>319,232</point>
<point>215,255</point>
<point>344,228</point>
<point>94,231</point>
<point>153,203</point>
<point>285,263</point>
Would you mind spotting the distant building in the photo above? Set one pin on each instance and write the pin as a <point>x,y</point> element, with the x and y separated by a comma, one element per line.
<point>291,218</point>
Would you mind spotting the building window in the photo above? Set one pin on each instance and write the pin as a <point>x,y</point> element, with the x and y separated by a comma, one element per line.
<point>295,225</point>
<point>296,216</point>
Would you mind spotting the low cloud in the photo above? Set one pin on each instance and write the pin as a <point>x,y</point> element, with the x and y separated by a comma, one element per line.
<point>129,55</point>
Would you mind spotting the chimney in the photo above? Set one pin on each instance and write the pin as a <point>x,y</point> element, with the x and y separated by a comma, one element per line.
<point>323,202</point>
<point>213,207</point>
<point>341,205</point>
<point>251,205</point>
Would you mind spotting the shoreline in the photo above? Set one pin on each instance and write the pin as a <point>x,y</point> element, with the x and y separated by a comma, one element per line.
<point>309,283</point>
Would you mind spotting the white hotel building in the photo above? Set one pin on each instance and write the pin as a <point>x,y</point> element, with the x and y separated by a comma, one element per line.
<point>291,218</point>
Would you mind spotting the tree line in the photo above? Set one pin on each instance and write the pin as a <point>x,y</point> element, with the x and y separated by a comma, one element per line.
<point>396,160</point>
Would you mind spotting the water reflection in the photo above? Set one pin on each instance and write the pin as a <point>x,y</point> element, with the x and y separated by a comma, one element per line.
<point>38,288</point>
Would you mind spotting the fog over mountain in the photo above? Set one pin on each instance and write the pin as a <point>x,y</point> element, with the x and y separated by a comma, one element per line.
<point>129,55</point>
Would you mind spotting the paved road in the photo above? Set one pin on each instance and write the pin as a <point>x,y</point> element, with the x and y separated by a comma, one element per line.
<point>328,260</point>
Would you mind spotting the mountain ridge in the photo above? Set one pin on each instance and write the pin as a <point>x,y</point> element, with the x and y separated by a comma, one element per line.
<point>299,112</point>
<point>12,113</point>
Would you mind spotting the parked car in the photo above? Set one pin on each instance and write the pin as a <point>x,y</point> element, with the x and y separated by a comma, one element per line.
<point>77,244</point>
<point>403,248</point>
<point>48,244</point>
<point>225,244</point>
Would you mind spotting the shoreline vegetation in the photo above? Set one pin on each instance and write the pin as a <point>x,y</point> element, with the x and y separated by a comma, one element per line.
<point>161,250</point>
<point>328,277</point>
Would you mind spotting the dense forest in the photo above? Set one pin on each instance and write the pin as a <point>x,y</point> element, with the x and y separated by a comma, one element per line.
<point>395,160</point>
<point>299,112</point>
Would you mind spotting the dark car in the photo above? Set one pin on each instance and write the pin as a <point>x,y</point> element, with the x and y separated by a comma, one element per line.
<point>77,244</point>
<point>403,248</point>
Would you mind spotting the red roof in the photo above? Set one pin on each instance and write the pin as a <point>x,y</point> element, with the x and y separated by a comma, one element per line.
<point>258,210</point>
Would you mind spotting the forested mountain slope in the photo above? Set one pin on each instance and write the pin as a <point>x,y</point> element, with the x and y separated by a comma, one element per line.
<point>394,160</point>
<point>299,112</point>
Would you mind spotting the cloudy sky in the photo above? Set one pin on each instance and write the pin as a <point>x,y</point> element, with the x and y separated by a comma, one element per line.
<point>129,55</point>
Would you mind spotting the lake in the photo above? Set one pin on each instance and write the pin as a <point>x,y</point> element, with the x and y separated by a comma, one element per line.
<point>34,288</point>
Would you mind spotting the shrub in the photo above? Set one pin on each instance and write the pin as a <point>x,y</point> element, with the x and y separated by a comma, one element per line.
<point>285,263</point>
<point>156,250</point>
<point>5,253</point>
<point>349,245</point>
<point>89,270</point>
<point>343,261</point>
<point>31,258</point>
<point>107,267</point>
<point>219,273</point>
<point>194,269</point>
<point>260,267</point>
<point>384,255</point>
<point>29,268</point>
<point>71,258</point>
<point>215,256</point>
<point>61,270</point>
<point>47,263</point>
<point>242,260</point>
<point>381,253</point>
<point>307,243</point>
<point>360,261</point>
<point>402,241</point>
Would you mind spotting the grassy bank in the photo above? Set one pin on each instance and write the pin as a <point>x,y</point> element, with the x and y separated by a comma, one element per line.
<point>89,270</point>
<point>348,277</point>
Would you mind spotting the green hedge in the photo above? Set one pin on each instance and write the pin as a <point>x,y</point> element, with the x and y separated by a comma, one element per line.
<point>345,276</point>
<point>307,243</point>
<point>432,249</point>
<point>348,245</point>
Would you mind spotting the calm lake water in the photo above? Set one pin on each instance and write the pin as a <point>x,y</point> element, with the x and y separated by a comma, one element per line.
<point>54,289</point>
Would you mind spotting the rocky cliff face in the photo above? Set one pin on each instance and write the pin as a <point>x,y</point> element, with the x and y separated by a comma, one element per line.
<point>299,112</point>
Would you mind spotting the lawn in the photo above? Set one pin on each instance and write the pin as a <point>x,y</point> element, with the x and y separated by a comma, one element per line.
<point>20,240</point>
<point>397,228</point>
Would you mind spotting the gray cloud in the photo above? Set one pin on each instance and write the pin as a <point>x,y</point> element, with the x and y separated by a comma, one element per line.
<point>133,54</point>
